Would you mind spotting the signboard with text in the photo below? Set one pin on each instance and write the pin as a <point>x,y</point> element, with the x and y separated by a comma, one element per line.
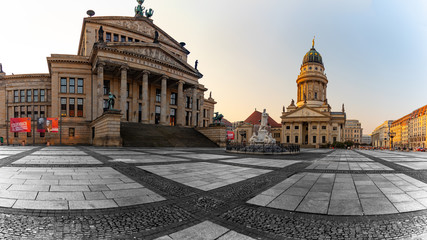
<point>20,124</point>
<point>41,125</point>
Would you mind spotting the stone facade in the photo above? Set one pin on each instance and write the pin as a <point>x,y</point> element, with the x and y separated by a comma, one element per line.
<point>380,136</point>
<point>353,131</point>
<point>150,78</point>
<point>217,134</point>
<point>310,122</point>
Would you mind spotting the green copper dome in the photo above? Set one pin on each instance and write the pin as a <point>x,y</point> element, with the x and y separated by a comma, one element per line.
<point>312,56</point>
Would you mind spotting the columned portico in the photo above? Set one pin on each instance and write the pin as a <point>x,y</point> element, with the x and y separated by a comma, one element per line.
<point>163,102</point>
<point>145,102</point>
<point>123,90</point>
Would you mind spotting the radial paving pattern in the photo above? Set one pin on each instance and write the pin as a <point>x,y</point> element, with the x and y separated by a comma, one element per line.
<point>191,193</point>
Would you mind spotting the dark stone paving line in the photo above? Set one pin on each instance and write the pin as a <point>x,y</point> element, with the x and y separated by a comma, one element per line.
<point>6,161</point>
<point>298,226</point>
<point>57,165</point>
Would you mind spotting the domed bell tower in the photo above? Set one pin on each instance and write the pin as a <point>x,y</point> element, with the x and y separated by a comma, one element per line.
<point>312,81</point>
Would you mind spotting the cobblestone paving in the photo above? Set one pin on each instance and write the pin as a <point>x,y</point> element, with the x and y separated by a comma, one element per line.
<point>196,193</point>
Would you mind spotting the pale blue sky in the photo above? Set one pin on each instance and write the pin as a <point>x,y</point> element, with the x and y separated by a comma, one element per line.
<point>250,51</point>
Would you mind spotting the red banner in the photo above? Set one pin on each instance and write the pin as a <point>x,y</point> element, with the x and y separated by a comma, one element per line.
<point>230,135</point>
<point>52,124</point>
<point>20,124</point>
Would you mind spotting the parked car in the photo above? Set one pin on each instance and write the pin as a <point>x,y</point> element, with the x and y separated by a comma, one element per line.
<point>420,149</point>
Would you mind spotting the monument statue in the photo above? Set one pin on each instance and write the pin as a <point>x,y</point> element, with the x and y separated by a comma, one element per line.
<point>1,68</point>
<point>217,118</point>
<point>263,136</point>
<point>196,64</point>
<point>111,101</point>
<point>156,37</point>
<point>139,10</point>
<point>343,110</point>
<point>149,13</point>
<point>101,35</point>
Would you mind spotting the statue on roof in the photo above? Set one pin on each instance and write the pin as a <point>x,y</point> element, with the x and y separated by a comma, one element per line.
<point>156,37</point>
<point>139,10</point>
<point>149,13</point>
<point>101,35</point>
<point>343,110</point>
<point>313,42</point>
<point>292,103</point>
<point>196,64</point>
<point>1,68</point>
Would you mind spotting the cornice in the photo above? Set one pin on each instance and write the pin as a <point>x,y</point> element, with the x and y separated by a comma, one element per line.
<point>31,75</point>
<point>136,55</point>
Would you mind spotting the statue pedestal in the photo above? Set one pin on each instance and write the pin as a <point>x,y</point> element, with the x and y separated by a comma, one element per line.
<point>106,129</point>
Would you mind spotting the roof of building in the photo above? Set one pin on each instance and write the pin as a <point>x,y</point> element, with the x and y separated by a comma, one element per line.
<point>226,122</point>
<point>255,119</point>
<point>312,56</point>
<point>419,112</point>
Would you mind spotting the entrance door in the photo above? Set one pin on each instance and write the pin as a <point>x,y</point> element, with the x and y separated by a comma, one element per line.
<point>157,117</point>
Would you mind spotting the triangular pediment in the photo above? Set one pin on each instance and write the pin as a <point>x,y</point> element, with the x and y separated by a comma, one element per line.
<point>154,52</point>
<point>141,26</point>
<point>306,112</point>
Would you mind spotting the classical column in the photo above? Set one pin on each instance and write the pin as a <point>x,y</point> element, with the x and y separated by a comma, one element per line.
<point>145,103</point>
<point>134,101</point>
<point>163,103</point>
<point>123,86</point>
<point>290,134</point>
<point>99,99</point>
<point>300,140</point>
<point>309,134</point>
<point>194,114</point>
<point>319,141</point>
<point>180,115</point>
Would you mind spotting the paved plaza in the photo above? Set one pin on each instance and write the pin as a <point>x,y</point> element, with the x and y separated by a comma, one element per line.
<point>82,192</point>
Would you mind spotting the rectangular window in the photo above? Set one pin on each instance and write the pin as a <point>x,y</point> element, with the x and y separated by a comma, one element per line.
<point>130,39</point>
<point>204,113</point>
<point>79,107</point>
<point>335,128</point>
<point>173,98</point>
<point>106,87</point>
<point>15,134</point>
<point>116,37</point>
<point>198,104</point>
<point>71,107</point>
<point>80,85</point>
<point>288,139</point>
<point>63,105</point>
<point>127,111</point>
<point>140,92</point>
<point>42,95</point>
<point>36,112</point>
<point>16,96</point>
<point>22,111</point>
<point>296,139</point>
<point>158,95</point>
<point>29,112</point>
<point>323,127</point>
<point>28,134</point>
<point>29,93</point>
<point>323,139</point>
<point>36,95</point>
<point>314,127</point>
<point>16,112</point>
<point>22,95</point>
<point>71,132</point>
<point>122,38</point>
<point>72,88</point>
<point>63,85</point>
<point>108,37</point>
<point>288,127</point>
<point>42,112</point>
<point>296,127</point>
<point>127,90</point>
<point>187,102</point>
<point>136,40</point>
<point>314,139</point>
<point>139,112</point>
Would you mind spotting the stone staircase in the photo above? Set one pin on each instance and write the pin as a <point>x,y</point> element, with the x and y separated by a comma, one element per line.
<point>150,135</point>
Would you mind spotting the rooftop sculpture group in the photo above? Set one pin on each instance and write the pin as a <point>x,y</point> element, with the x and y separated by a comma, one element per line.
<point>139,10</point>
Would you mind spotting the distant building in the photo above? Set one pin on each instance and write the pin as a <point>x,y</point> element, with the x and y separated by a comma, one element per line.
<point>410,130</point>
<point>380,136</point>
<point>310,122</point>
<point>366,139</point>
<point>353,131</point>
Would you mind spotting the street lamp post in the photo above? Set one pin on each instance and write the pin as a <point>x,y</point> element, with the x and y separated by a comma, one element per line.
<point>391,135</point>
<point>60,127</point>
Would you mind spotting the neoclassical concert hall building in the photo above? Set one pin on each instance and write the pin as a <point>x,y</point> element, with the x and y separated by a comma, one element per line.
<point>142,65</point>
<point>310,122</point>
